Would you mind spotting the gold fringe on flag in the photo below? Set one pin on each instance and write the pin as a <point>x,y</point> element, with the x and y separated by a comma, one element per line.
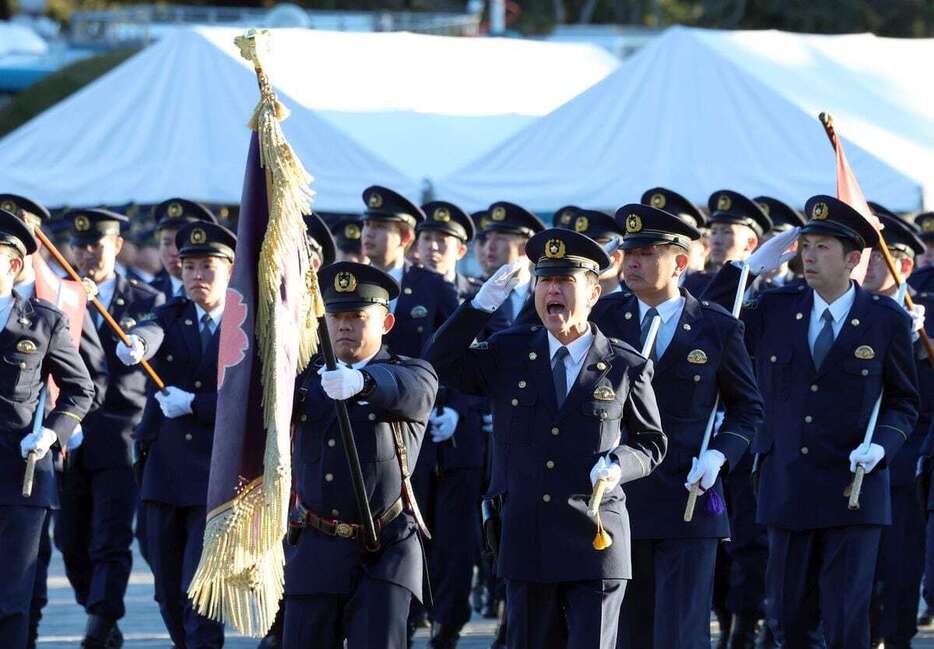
<point>240,578</point>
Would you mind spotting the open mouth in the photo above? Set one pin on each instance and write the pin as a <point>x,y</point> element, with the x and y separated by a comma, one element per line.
<point>555,309</point>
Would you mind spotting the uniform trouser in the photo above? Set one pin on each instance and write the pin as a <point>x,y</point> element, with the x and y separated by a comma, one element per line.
<point>821,579</point>
<point>96,534</point>
<point>40,589</point>
<point>563,615</point>
<point>928,591</point>
<point>175,536</point>
<point>748,547</point>
<point>668,598</point>
<point>455,544</point>
<point>20,529</point>
<point>372,617</point>
<point>901,562</point>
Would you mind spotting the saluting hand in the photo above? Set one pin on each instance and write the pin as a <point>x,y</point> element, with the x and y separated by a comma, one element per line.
<point>774,252</point>
<point>341,383</point>
<point>133,354</point>
<point>174,402</point>
<point>496,289</point>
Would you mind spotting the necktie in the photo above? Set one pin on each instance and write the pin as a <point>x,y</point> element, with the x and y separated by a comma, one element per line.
<point>646,325</point>
<point>207,331</point>
<point>824,339</point>
<point>560,375</point>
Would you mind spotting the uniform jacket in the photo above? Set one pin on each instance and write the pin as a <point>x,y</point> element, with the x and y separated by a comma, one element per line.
<point>404,392</point>
<point>922,280</point>
<point>542,455</point>
<point>34,345</point>
<point>180,448</point>
<point>108,441</point>
<point>425,302</point>
<point>162,283</point>
<point>707,356</point>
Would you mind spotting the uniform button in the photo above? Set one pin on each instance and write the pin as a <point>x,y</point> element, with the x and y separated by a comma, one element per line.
<point>188,322</point>
<point>814,388</point>
<point>697,378</point>
<point>120,301</point>
<point>522,384</point>
<point>555,431</point>
<point>304,417</point>
<point>550,464</point>
<point>332,442</point>
<point>799,316</point>
<point>170,358</point>
<point>865,372</point>
<point>407,290</point>
<point>22,366</point>
<point>197,384</point>
<point>546,498</point>
<point>420,329</point>
<point>328,477</point>
<point>335,513</point>
<point>187,437</point>
<point>804,450</point>
<point>773,358</point>
<point>515,402</point>
<point>808,419</point>
<point>371,416</point>
<point>627,315</point>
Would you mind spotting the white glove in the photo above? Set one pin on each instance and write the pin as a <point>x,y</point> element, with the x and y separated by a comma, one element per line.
<point>773,253</point>
<point>175,402</point>
<point>488,423</point>
<point>606,470</point>
<point>868,458</point>
<point>917,320</point>
<point>706,469</point>
<point>341,383</point>
<point>443,425</point>
<point>40,443</point>
<point>75,440</point>
<point>496,289</point>
<point>133,354</point>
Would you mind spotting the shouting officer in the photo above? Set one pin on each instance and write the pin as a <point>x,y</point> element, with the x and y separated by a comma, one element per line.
<point>177,431</point>
<point>335,588</point>
<point>170,216</point>
<point>570,406</point>
<point>35,345</point>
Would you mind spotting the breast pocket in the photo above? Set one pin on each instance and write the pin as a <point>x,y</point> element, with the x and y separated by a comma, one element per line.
<point>776,375</point>
<point>515,416</point>
<point>601,425</point>
<point>21,374</point>
<point>697,388</point>
<point>372,434</point>
<point>862,380</point>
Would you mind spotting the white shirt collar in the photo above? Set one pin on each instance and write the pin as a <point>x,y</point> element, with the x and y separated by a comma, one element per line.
<point>106,290</point>
<point>175,283</point>
<point>576,349</point>
<point>667,309</point>
<point>840,307</point>
<point>361,364</point>
<point>396,271</point>
<point>618,289</point>
<point>215,314</point>
<point>26,289</point>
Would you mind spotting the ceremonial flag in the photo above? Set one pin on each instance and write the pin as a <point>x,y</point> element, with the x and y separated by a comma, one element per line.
<point>268,334</point>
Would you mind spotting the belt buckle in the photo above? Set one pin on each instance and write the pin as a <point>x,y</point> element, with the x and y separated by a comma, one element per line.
<point>344,530</point>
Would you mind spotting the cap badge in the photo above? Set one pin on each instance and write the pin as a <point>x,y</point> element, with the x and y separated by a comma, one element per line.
<point>566,217</point>
<point>442,215</point>
<point>724,202</point>
<point>927,225</point>
<point>555,249</point>
<point>865,353</point>
<point>375,200</point>
<point>82,223</point>
<point>485,222</point>
<point>581,224</point>
<point>498,214</point>
<point>764,207</point>
<point>345,282</point>
<point>352,231</point>
<point>198,236</point>
<point>820,211</point>
<point>697,357</point>
<point>9,206</point>
<point>633,223</point>
<point>658,201</point>
<point>174,210</point>
<point>26,346</point>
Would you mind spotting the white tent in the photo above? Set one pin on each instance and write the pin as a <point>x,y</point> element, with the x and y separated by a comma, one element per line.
<point>20,39</point>
<point>700,110</point>
<point>387,108</point>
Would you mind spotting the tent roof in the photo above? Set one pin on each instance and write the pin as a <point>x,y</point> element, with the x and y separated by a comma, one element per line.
<point>387,108</point>
<point>699,110</point>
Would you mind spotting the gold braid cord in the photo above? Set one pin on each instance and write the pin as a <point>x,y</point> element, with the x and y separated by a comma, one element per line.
<point>240,578</point>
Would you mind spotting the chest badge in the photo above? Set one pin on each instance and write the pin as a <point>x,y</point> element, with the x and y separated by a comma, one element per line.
<point>26,346</point>
<point>697,357</point>
<point>604,393</point>
<point>865,353</point>
<point>127,323</point>
<point>418,311</point>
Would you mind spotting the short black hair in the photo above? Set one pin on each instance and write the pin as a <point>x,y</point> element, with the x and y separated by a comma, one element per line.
<point>849,245</point>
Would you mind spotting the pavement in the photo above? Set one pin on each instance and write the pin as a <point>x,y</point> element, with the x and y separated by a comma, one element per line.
<point>63,620</point>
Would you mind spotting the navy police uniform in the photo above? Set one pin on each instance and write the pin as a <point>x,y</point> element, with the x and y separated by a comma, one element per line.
<point>170,215</point>
<point>178,450</point>
<point>35,345</point>
<point>334,587</point>
<point>560,590</point>
<point>673,561</point>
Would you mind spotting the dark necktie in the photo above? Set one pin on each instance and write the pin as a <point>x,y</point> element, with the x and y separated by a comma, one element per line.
<point>646,325</point>
<point>560,375</point>
<point>824,339</point>
<point>207,332</point>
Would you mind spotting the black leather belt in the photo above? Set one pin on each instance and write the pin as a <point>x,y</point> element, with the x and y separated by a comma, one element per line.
<point>332,527</point>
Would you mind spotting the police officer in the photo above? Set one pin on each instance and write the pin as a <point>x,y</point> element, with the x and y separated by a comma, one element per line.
<point>347,233</point>
<point>35,345</point>
<point>177,431</point>
<point>901,550</point>
<point>334,587</point>
<point>922,279</point>
<point>783,217</point>
<point>99,492</point>
<point>824,353</point>
<point>602,228</point>
<point>170,216</point>
<point>701,354</point>
<point>662,198</point>
<point>570,406</point>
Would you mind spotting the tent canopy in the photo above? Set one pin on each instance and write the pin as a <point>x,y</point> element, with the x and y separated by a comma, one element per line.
<point>699,110</point>
<point>386,108</point>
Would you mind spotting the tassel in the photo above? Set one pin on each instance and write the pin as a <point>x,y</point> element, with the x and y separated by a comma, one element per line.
<point>715,504</point>
<point>602,540</point>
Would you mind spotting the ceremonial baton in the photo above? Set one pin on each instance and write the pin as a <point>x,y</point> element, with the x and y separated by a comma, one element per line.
<point>708,433</point>
<point>70,271</point>
<point>857,486</point>
<point>31,456</point>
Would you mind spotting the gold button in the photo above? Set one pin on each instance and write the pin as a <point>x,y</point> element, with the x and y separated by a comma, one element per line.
<point>187,437</point>
<point>407,290</point>
<point>865,372</point>
<point>814,388</point>
<point>555,431</point>
<point>170,358</point>
<point>601,366</point>
<point>522,384</point>
<point>304,417</point>
<point>335,513</point>
<point>697,378</point>
<point>875,297</point>
<point>120,301</point>
<point>419,329</point>
<point>546,498</point>
<point>773,358</point>
<point>705,302</point>
<point>515,402</point>
<point>197,384</point>
<point>798,316</point>
<point>855,322</point>
<point>808,419</point>
<point>332,442</point>
<point>188,321</point>
<point>532,356</point>
<point>627,315</point>
<point>686,326</point>
<point>371,416</point>
<point>22,365</point>
<point>550,464</point>
<point>328,477</point>
<point>804,450</point>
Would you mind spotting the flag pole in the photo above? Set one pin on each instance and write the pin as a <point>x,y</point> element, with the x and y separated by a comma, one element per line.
<point>827,121</point>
